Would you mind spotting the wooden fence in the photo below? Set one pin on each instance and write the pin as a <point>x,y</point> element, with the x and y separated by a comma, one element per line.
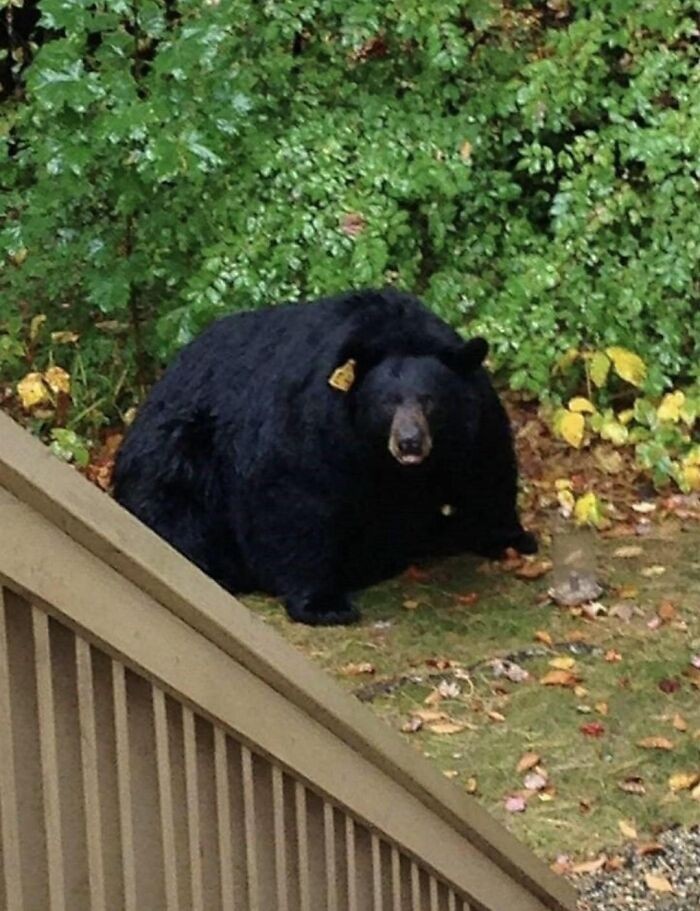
<point>161,749</point>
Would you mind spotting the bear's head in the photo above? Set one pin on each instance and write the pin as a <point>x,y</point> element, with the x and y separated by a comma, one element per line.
<point>404,403</point>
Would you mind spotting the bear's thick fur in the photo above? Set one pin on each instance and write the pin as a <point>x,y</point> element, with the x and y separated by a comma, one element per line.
<point>268,476</point>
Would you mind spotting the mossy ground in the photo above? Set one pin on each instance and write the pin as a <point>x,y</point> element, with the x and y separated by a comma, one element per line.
<point>582,817</point>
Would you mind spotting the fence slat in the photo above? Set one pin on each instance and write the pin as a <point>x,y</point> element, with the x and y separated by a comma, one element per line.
<point>433,894</point>
<point>250,828</point>
<point>167,821</point>
<point>376,873</point>
<point>302,846</point>
<point>9,819</point>
<point>351,857</point>
<point>49,760</point>
<point>223,812</point>
<point>91,785</point>
<point>280,838</point>
<point>126,817</point>
<point>329,842</point>
<point>396,879</point>
<point>415,887</point>
<point>451,901</point>
<point>192,797</point>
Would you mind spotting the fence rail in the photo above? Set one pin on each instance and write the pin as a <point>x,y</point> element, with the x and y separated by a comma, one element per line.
<point>163,750</point>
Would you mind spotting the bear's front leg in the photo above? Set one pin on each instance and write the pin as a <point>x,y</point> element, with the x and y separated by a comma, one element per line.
<point>293,547</point>
<point>317,607</point>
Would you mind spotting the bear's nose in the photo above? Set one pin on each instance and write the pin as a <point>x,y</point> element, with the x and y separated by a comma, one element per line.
<point>411,444</point>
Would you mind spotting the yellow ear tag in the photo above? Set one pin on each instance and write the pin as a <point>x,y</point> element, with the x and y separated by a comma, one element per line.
<point>343,377</point>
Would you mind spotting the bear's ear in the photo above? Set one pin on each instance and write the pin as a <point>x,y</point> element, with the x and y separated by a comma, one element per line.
<point>467,357</point>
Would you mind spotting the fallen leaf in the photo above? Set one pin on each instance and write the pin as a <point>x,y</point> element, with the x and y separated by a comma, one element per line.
<point>666,611</point>
<point>515,804</point>
<point>446,727</point>
<point>580,692</point>
<point>609,460</point>
<point>683,781</point>
<point>592,729</point>
<point>679,723</point>
<point>695,661</point>
<point>649,572</point>
<point>594,609</point>
<point>657,883</point>
<point>412,725</point>
<point>356,670</point>
<point>527,761</point>
<point>589,866</point>
<point>450,773</point>
<point>614,863</point>
<point>416,574</point>
<point>644,507</point>
<point>612,656</point>
<point>669,685</point>
<point>543,636</point>
<point>448,689</point>
<point>411,605</point>
<point>467,600</point>
<point>572,427</point>
<point>627,830</point>
<point>32,391</point>
<point>563,663</point>
<point>623,610</point>
<point>559,678</point>
<point>496,716</point>
<point>58,380</point>
<point>471,787</point>
<point>535,781</point>
<point>429,715</point>
<point>602,708</point>
<point>562,865</point>
<point>650,847</point>
<point>654,623</point>
<point>655,743</point>
<point>588,510</point>
<point>533,569</point>
<point>632,785</point>
<point>628,551</point>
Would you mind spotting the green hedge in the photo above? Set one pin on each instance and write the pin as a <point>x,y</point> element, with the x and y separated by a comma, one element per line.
<point>531,169</point>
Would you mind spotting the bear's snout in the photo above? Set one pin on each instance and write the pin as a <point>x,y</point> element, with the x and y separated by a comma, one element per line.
<point>410,441</point>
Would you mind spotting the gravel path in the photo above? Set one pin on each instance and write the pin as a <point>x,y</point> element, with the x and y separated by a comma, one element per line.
<point>626,889</point>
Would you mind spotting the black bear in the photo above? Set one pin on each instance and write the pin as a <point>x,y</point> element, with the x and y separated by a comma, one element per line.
<point>309,450</point>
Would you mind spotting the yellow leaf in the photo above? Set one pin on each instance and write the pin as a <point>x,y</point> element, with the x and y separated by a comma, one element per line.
<point>64,337</point>
<point>580,405</point>
<point>690,475</point>
<point>587,510</point>
<point>32,390</point>
<point>626,829</point>
<point>600,365</point>
<point>563,663</point>
<point>657,883</point>
<point>58,380</point>
<point>18,256</point>
<point>471,786</point>
<point>628,366</point>
<point>567,501</point>
<point>671,406</point>
<point>571,428</point>
<point>465,151</point>
<point>683,781</point>
<point>35,325</point>
<point>625,416</point>
<point>543,636</point>
<point>614,431</point>
<point>566,360</point>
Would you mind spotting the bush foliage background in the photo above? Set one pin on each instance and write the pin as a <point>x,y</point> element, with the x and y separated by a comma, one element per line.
<point>531,168</point>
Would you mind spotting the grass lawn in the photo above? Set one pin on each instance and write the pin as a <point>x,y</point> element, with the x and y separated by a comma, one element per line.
<point>627,675</point>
